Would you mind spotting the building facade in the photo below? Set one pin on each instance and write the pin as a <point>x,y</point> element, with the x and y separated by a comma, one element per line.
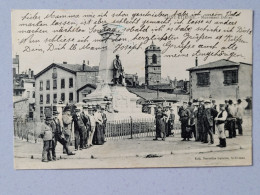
<point>152,65</point>
<point>59,83</point>
<point>24,94</point>
<point>221,80</point>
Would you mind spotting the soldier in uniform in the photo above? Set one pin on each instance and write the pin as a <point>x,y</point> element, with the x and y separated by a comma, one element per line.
<point>239,116</point>
<point>200,122</point>
<point>67,120</point>
<point>220,122</point>
<point>47,136</point>
<point>184,114</point>
<point>158,116</point>
<point>56,128</point>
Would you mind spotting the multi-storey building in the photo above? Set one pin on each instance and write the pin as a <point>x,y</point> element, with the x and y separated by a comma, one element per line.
<point>220,80</point>
<point>60,83</point>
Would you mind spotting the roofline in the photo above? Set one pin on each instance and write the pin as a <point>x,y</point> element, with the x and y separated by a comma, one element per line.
<point>17,101</point>
<point>88,84</point>
<point>196,69</point>
<point>51,66</point>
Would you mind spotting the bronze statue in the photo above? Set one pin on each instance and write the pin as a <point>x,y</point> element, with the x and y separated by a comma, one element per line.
<point>118,72</point>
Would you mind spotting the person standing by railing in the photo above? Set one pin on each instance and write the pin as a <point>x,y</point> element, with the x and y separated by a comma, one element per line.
<point>104,119</point>
<point>92,126</point>
<point>99,130</point>
<point>158,116</point>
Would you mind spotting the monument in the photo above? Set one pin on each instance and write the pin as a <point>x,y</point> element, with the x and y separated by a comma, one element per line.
<point>110,91</point>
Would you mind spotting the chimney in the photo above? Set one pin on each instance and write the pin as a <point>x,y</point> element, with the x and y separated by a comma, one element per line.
<point>32,74</point>
<point>88,62</point>
<point>64,62</point>
<point>84,65</point>
<point>196,61</point>
<point>29,73</point>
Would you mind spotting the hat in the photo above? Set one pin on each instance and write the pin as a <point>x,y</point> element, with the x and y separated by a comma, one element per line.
<point>171,108</point>
<point>55,113</point>
<point>230,101</point>
<point>77,110</point>
<point>201,99</point>
<point>48,118</point>
<point>213,101</point>
<point>117,55</point>
<point>239,100</point>
<point>67,108</point>
<point>102,108</point>
<point>207,101</point>
<point>184,102</point>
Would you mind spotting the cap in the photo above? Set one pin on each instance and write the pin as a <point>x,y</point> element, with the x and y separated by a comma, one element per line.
<point>207,101</point>
<point>239,100</point>
<point>55,113</point>
<point>201,99</point>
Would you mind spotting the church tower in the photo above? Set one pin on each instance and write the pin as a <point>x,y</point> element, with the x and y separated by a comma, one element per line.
<point>152,65</point>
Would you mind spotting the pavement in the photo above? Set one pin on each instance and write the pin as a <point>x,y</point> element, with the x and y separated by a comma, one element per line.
<point>134,147</point>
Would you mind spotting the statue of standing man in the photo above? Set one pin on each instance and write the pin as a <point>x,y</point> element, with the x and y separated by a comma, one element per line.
<point>118,72</point>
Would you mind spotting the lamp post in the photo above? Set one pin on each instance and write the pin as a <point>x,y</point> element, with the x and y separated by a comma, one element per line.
<point>157,89</point>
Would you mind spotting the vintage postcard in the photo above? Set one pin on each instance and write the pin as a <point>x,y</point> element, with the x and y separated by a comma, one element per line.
<point>132,88</point>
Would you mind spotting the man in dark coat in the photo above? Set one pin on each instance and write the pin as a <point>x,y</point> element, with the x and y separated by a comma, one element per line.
<point>209,114</point>
<point>79,130</point>
<point>67,120</point>
<point>158,116</point>
<point>184,114</point>
<point>104,117</point>
<point>200,123</point>
<point>231,120</point>
<point>56,128</point>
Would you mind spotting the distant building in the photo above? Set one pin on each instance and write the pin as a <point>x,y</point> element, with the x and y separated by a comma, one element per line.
<point>60,83</point>
<point>84,91</point>
<point>220,80</point>
<point>152,65</point>
<point>131,80</point>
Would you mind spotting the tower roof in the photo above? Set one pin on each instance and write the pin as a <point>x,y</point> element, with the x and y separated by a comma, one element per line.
<point>152,47</point>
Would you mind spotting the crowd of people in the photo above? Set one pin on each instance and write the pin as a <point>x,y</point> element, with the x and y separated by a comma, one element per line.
<point>200,119</point>
<point>89,129</point>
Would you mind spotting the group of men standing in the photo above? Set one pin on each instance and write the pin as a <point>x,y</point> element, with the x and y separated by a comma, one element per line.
<point>201,117</point>
<point>164,120</point>
<point>89,128</point>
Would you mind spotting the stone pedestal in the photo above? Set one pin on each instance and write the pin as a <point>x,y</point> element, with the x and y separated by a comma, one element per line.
<point>122,102</point>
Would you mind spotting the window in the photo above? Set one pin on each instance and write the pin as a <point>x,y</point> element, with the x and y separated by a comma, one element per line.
<point>33,84</point>
<point>54,70</point>
<point>41,99</point>
<point>54,84</point>
<point>62,84</point>
<point>71,97</point>
<point>41,85</point>
<point>71,83</point>
<point>230,77</point>
<point>154,59</point>
<point>62,97</point>
<point>55,98</point>
<point>28,94</point>
<point>41,110</point>
<point>48,85</point>
<point>203,79</point>
<point>47,98</point>
<point>33,94</point>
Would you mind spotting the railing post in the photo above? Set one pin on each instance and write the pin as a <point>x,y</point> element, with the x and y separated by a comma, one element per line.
<point>131,127</point>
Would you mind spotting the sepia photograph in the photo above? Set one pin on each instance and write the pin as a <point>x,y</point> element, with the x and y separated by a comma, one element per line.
<point>132,88</point>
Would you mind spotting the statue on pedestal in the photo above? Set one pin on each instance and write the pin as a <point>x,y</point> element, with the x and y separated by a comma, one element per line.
<point>118,71</point>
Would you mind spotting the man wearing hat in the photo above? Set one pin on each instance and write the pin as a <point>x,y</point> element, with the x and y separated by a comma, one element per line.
<point>184,114</point>
<point>56,128</point>
<point>80,130</point>
<point>220,122</point>
<point>104,118</point>
<point>214,106</point>
<point>171,121</point>
<point>200,123</point>
<point>239,116</point>
<point>67,120</point>
<point>231,120</point>
<point>47,136</point>
<point>208,123</point>
<point>158,116</point>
